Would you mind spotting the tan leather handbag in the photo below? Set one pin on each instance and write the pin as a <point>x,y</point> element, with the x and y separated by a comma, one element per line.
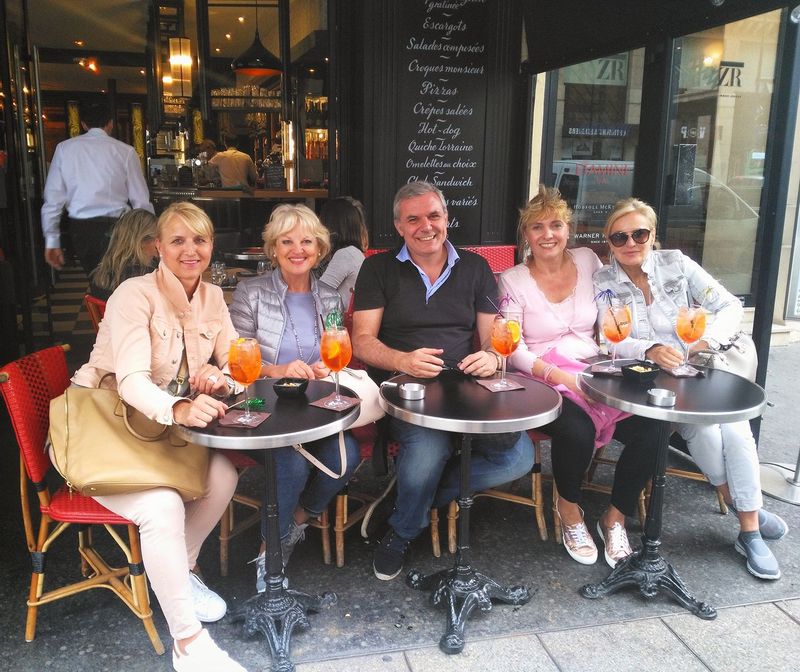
<point>102,446</point>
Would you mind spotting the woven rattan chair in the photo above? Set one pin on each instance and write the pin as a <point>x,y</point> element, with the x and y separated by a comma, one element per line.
<point>28,385</point>
<point>96,309</point>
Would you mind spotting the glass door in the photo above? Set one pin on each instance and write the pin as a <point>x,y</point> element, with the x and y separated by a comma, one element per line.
<point>723,82</point>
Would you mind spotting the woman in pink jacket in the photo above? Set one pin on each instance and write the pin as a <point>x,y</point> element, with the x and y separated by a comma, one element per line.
<point>553,287</point>
<point>151,323</point>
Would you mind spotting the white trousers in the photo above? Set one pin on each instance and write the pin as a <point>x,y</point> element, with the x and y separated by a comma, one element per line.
<point>172,532</point>
<point>727,454</point>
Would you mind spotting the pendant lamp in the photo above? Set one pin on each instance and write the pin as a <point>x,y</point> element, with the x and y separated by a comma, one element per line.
<point>256,60</point>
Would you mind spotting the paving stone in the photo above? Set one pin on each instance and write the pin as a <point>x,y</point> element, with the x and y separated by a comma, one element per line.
<point>793,607</point>
<point>520,654</point>
<point>387,662</point>
<point>631,645</point>
<point>742,639</point>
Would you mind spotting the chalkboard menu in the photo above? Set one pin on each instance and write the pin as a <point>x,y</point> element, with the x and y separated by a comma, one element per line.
<point>442,83</point>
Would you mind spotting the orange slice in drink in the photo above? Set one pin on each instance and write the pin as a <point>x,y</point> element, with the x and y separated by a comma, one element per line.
<point>334,348</point>
<point>515,331</point>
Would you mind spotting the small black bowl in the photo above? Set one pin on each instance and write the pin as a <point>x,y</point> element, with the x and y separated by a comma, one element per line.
<point>641,371</point>
<point>290,387</point>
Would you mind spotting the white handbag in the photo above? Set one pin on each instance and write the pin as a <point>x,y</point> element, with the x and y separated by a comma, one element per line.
<point>737,356</point>
<point>366,389</point>
<point>369,411</point>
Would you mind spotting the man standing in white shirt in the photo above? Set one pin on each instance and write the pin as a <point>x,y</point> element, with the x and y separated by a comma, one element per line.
<point>235,168</point>
<point>97,179</point>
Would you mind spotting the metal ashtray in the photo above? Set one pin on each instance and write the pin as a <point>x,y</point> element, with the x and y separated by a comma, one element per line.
<point>409,391</point>
<point>658,396</point>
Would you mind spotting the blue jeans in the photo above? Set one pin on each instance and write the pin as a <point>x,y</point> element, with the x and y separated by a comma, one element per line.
<point>314,493</point>
<point>427,476</point>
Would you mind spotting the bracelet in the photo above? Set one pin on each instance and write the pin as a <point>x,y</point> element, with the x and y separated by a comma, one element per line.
<point>497,357</point>
<point>546,373</point>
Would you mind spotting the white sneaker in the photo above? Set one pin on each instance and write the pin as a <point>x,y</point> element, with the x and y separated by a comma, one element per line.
<point>203,655</point>
<point>208,606</point>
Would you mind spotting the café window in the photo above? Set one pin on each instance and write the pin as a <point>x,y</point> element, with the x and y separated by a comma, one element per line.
<point>596,130</point>
<point>721,99</point>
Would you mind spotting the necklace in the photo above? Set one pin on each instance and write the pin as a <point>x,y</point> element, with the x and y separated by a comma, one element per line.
<point>297,338</point>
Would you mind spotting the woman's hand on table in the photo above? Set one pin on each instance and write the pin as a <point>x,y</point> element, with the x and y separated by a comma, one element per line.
<point>421,363</point>
<point>320,370</point>
<point>480,364</point>
<point>198,412</point>
<point>665,356</point>
<point>209,380</point>
<point>294,369</point>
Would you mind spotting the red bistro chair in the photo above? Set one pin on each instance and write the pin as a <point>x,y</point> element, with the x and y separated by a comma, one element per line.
<point>28,385</point>
<point>96,309</point>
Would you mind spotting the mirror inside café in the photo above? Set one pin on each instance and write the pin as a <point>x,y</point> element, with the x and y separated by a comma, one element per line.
<point>183,74</point>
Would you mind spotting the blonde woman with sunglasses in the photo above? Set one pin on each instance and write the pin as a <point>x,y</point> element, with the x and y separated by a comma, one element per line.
<point>656,284</point>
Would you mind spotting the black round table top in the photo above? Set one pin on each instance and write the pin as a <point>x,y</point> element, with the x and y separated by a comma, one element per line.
<point>292,420</point>
<point>719,397</point>
<point>455,402</point>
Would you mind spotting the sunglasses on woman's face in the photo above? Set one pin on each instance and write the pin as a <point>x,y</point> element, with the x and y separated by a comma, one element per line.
<point>620,238</point>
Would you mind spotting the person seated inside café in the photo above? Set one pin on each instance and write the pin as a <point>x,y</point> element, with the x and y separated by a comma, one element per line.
<point>236,169</point>
<point>417,310</point>
<point>131,252</point>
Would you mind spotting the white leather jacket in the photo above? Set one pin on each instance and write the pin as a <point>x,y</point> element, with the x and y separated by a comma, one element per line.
<point>674,280</point>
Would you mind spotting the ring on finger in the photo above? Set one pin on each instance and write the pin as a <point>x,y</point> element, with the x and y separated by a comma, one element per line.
<point>212,379</point>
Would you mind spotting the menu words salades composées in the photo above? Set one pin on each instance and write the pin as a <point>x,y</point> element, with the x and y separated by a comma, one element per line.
<point>442,72</point>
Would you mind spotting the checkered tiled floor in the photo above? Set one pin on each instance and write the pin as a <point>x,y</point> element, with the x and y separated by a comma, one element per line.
<point>69,314</point>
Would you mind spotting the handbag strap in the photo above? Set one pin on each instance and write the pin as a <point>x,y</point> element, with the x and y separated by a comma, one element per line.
<point>319,465</point>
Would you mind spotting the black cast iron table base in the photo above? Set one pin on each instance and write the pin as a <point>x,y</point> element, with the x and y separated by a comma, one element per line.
<point>278,611</point>
<point>646,568</point>
<point>276,614</point>
<point>461,588</point>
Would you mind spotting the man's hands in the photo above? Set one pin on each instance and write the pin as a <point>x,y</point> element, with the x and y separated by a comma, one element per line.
<point>426,363</point>
<point>54,256</point>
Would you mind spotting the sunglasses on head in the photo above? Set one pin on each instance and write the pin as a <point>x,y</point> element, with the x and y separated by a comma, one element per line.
<point>620,238</point>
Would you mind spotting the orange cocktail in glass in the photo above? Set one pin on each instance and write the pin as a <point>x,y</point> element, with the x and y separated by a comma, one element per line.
<point>616,326</point>
<point>244,363</point>
<point>336,351</point>
<point>506,332</point>
<point>690,327</point>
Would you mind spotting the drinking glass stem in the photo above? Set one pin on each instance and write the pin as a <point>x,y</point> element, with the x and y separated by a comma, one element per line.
<point>503,370</point>
<point>613,355</point>
<point>246,415</point>
<point>336,397</point>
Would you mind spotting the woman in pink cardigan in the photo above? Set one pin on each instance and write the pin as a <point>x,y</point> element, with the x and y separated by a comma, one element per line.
<point>553,288</point>
<point>151,323</point>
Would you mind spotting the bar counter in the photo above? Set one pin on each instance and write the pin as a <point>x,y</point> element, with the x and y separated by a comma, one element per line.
<point>237,211</point>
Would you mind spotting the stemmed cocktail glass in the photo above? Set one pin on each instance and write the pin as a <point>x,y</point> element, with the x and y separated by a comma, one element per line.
<point>244,362</point>
<point>336,351</point>
<point>506,332</point>
<point>616,325</point>
<point>690,327</point>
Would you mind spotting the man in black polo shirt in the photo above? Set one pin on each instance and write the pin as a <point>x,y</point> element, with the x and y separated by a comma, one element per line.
<point>417,310</point>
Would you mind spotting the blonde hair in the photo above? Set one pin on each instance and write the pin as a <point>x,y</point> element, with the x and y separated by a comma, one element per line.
<point>195,218</point>
<point>286,217</point>
<point>125,248</point>
<point>625,207</point>
<point>547,203</point>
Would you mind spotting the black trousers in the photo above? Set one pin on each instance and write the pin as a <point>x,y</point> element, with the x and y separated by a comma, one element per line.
<point>90,239</point>
<point>572,448</point>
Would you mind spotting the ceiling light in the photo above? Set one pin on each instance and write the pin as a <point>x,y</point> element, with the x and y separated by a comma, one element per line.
<point>78,43</point>
<point>141,72</point>
<point>227,36</point>
<point>241,19</point>
<point>217,49</point>
<point>257,61</point>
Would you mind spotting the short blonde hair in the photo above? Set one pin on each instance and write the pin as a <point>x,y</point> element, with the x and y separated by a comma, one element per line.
<point>286,217</point>
<point>625,207</point>
<point>195,218</point>
<point>547,203</point>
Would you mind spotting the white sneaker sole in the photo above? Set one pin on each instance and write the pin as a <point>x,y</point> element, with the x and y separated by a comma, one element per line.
<point>385,577</point>
<point>768,577</point>
<point>583,560</point>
